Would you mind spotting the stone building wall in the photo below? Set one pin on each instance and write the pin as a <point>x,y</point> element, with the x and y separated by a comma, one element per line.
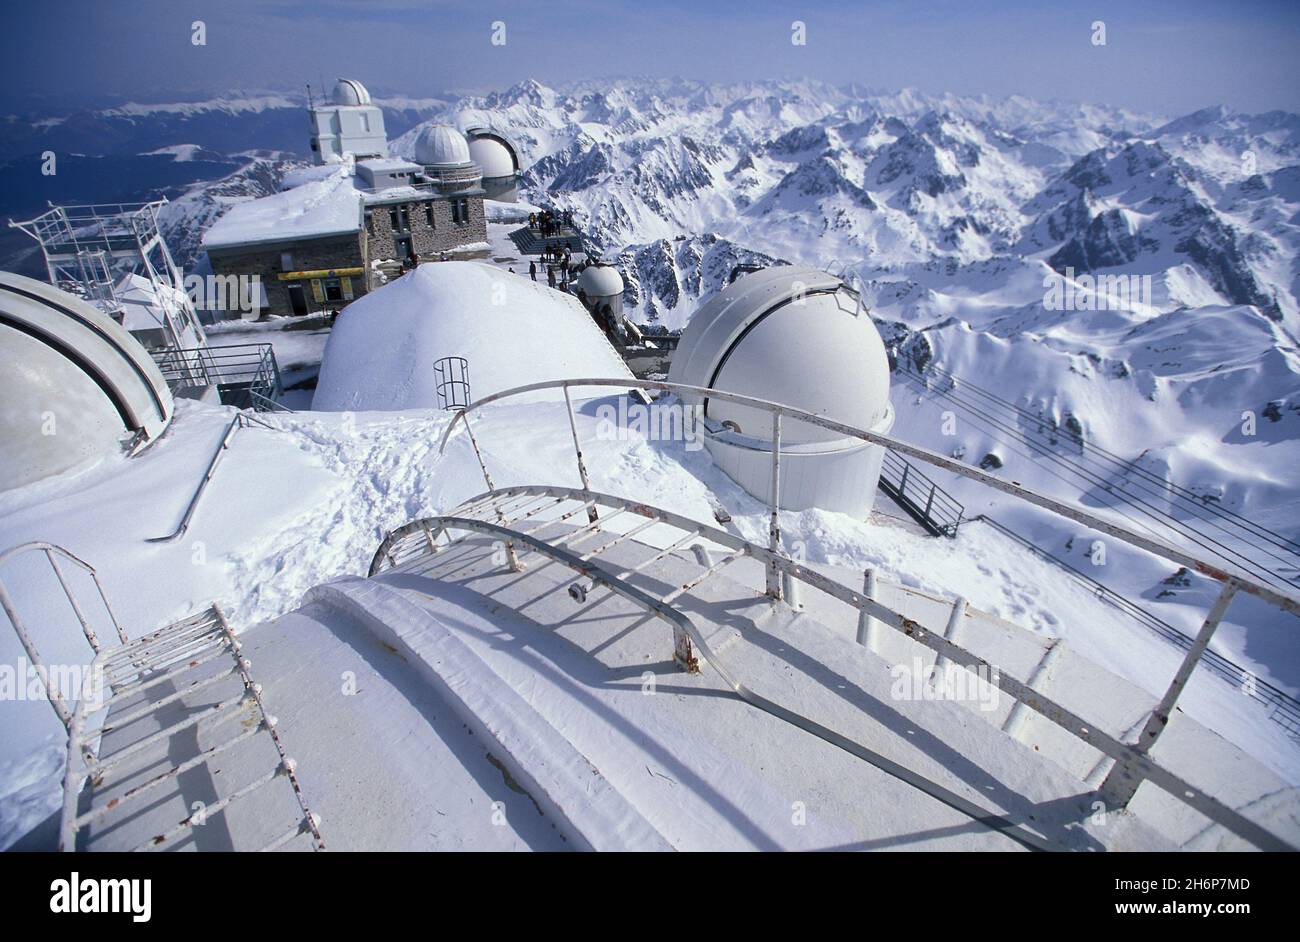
<point>427,241</point>
<point>265,261</point>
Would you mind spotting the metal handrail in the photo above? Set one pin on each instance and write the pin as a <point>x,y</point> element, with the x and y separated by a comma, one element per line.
<point>51,550</point>
<point>235,424</point>
<point>684,628</point>
<point>1283,600</point>
<point>1285,708</point>
<point>1126,755</point>
<point>1123,779</point>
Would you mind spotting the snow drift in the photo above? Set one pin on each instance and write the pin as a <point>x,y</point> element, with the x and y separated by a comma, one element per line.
<point>381,352</point>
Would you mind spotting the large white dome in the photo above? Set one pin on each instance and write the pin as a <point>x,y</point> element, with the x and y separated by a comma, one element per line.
<point>493,157</point>
<point>791,335</point>
<point>76,385</point>
<point>441,145</point>
<point>350,92</point>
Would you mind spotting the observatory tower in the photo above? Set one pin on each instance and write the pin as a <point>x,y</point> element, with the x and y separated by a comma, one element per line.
<point>349,124</point>
<point>801,337</point>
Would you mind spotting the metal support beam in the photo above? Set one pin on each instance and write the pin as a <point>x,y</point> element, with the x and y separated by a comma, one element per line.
<point>1122,782</point>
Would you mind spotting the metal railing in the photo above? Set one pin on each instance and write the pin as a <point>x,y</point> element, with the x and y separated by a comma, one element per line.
<point>52,554</point>
<point>451,383</point>
<point>1283,708</point>
<point>1133,764</point>
<point>245,374</point>
<point>924,500</point>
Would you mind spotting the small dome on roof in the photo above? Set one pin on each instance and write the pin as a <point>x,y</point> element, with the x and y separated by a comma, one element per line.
<point>600,281</point>
<point>350,92</point>
<point>441,145</point>
<point>493,155</point>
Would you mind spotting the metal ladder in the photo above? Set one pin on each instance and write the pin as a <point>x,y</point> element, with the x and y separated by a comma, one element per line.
<point>153,713</point>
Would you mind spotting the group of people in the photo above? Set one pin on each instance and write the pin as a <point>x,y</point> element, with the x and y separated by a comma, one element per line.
<point>549,223</point>
<point>556,258</point>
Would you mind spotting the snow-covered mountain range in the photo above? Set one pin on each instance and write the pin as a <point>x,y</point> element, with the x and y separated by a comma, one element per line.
<point>1137,274</point>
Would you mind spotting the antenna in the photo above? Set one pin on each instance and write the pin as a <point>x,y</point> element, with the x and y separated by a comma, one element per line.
<point>311,105</point>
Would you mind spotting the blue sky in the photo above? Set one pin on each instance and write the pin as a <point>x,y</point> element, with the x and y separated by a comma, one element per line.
<point>1164,56</point>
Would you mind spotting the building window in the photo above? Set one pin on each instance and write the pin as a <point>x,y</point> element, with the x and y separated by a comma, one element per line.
<point>370,223</point>
<point>460,211</point>
<point>428,214</point>
<point>392,217</point>
<point>333,289</point>
<point>286,261</point>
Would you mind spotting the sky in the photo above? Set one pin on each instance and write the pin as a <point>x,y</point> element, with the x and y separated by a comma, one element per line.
<point>1162,56</point>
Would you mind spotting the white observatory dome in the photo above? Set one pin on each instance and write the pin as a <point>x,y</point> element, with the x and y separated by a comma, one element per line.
<point>76,385</point>
<point>350,92</point>
<point>441,145</point>
<point>796,336</point>
<point>600,281</point>
<point>494,158</point>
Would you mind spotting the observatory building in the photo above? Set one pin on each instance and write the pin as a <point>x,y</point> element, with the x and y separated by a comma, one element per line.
<point>498,158</point>
<point>349,124</point>
<point>77,386</point>
<point>801,337</point>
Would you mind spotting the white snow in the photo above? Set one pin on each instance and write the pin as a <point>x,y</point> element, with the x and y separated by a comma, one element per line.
<point>330,205</point>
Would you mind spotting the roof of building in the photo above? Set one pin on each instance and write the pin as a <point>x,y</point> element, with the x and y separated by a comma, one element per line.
<point>332,206</point>
<point>350,92</point>
<point>441,145</point>
<point>387,164</point>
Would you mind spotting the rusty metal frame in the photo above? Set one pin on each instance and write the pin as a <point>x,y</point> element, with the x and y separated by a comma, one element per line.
<point>1136,762</point>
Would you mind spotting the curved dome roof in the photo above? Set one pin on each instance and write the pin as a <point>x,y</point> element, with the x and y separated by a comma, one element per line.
<point>350,92</point>
<point>494,157</point>
<point>792,335</point>
<point>600,281</point>
<point>441,145</point>
<point>76,385</point>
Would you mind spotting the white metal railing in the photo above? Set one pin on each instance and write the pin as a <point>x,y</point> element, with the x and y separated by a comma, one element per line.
<point>52,555</point>
<point>1132,764</point>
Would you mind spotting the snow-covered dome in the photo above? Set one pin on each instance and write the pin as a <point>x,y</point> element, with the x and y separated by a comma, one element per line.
<point>512,331</point>
<point>441,145</point>
<point>494,157</point>
<point>350,92</point>
<point>600,281</point>
<point>76,385</point>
